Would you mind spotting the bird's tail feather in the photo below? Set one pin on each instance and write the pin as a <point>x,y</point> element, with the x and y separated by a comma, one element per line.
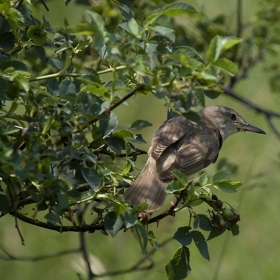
<point>147,187</point>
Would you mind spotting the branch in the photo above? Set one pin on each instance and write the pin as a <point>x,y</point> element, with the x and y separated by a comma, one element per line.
<point>246,69</point>
<point>83,247</point>
<point>10,257</point>
<point>118,103</point>
<point>81,228</point>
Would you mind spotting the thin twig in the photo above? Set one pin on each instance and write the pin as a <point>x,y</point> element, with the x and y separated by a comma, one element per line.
<point>83,247</point>
<point>14,208</point>
<point>58,228</point>
<point>10,257</point>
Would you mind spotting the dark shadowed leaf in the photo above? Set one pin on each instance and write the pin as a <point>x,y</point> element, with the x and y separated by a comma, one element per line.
<point>4,204</point>
<point>179,266</point>
<point>53,218</point>
<point>203,222</point>
<point>142,236</point>
<point>140,124</point>
<point>92,177</point>
<point>215,232</point>
<point>129,220</point>
<point>200,243</point>
<point>113,223</point>
<point>183,236</point>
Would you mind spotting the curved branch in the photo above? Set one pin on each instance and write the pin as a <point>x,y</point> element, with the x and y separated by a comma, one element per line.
<point>268,113</point>
<point>82,228</point>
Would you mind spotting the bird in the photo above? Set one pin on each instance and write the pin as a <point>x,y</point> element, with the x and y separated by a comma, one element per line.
<point>180,144</point>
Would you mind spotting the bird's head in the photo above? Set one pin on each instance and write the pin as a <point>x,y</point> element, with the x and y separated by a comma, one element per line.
<point>227,121</point>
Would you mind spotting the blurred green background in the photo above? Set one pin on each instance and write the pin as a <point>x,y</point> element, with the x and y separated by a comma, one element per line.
<point>253,254</point>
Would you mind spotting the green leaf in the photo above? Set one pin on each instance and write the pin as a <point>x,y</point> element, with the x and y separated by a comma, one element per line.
<point>142,236</point>
<point>115,143</point>
<point>178,8</point>
<point>126,167</point>
<point>203,222</point>
<point>227,66</point>
<point>124,133</point>
<point>214,50</point>
<point>181,177</point>
<point>212,94</point>
<point>203,180</point>
<point>192,116</point>
<point>48,124</point>
<point>98,22</point>
<point>138,139</point>
<point>15,64</point>
<point>92,177</point>
<point>200,243</point>
<point>199,94</point>
<point>53,218</point>
<point>234,229</point>
<point>165,31</point>
<point>133,27</point>
<point>113,223</point>
<point>140,124</point>
<point>219,44</point>
<point>227,186</point>
<point>220,176</point>
<point>108,124</point>
<point>179,266</point>
<point>82,28</point>
<point>37,34</point>
<point>4,205</point>
<point>174,186</point>
<point>215,232</point>
<point>183,236</point>
<point>129,220</point>
<point>119,206</point>
<point>229,42</point>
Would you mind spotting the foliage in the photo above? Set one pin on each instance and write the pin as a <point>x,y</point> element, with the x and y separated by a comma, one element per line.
<point>61,148</point>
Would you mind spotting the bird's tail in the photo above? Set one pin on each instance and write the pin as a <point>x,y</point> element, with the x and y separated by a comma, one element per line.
<point>147,187</point>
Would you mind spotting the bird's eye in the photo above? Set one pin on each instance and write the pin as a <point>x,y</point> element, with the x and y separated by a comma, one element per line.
<point>232,117</point>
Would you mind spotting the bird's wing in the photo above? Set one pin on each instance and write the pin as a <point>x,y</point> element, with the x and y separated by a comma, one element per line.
<point>191,154</point>
<point>168,133</point>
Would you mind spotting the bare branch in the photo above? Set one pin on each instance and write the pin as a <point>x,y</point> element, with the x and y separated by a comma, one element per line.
<point>83,247</point>
<point>10,257</point>
<point>16,220</point>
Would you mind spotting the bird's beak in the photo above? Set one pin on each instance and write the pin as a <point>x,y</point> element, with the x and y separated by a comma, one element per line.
<point>249,127</point>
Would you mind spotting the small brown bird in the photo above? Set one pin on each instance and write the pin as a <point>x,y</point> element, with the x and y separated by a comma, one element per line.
<point>188,147</point>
